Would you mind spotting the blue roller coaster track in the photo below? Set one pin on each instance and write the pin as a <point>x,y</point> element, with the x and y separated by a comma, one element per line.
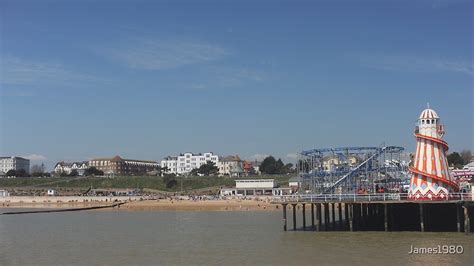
<point>345,175</point>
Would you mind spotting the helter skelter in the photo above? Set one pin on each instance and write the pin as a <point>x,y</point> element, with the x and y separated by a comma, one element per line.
<point>431,179</point>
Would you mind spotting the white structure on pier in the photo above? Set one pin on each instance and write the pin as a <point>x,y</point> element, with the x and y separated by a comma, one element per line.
<point>431,178</point>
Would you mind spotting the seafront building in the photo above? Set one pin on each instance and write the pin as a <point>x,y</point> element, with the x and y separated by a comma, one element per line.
<point>120,166</point>
<point>295,183</point>
<point>67,168</point>
<point>14,163</point>
<point>186,162</point>
<point>254,188</point>
<point>4,193</point>
<point>231,166</point>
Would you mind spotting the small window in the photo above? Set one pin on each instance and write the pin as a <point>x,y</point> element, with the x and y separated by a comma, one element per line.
<point>428,121</point>
<point>423,122</point>
<point>432,121</point>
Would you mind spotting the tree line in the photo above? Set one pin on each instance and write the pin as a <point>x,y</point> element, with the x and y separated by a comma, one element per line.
<point>271,166</point>
<point>458,160</point>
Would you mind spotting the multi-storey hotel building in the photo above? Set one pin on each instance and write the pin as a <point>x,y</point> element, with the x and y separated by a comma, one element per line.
<point>14,163</point>
<point>120,166</point>
<point>185,162</point>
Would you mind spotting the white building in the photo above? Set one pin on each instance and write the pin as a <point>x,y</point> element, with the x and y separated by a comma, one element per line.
<point>4,193</point>
<point>254,188</point>
<point>295,183</point>
<point>67,168</point>
<point>52,192</point>
<point>14,163</point>
<point>185,162</point>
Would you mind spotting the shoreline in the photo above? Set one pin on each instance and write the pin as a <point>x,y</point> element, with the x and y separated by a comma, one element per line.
<point>137,204</point>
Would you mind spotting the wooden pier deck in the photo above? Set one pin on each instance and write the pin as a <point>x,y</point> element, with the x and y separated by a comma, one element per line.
<point>378,212</point>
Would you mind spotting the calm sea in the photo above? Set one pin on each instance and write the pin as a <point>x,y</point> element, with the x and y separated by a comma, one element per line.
<point>205,238</point>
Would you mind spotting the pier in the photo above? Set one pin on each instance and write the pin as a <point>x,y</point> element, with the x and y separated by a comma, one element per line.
<point>378,212</point>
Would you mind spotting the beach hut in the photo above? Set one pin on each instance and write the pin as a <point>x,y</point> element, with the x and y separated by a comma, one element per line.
<point>52,192</point>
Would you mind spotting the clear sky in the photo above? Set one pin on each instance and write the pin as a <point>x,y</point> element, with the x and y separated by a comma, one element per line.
<point>82,79</point>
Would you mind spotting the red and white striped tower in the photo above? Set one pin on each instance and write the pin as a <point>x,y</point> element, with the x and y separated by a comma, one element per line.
<point>431,179</point>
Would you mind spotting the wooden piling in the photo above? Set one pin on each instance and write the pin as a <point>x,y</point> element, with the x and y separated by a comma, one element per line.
<point>385,216</point>
<point>326,216</point>
<point>351,216</point>
<point>284,218</point>
<point>346,214</point>
<point>304,216</point>
<point>467,227</point>
<point>422,222</point>
<point>294,217</point>
<point>312,216</point>
<point>333,214</point>
<point>318,217</point>
<point>458,218</point>
<point>340,215</point>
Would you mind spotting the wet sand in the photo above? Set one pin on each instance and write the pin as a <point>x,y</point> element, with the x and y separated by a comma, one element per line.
<point>139,203</point>
<point>199,205</point>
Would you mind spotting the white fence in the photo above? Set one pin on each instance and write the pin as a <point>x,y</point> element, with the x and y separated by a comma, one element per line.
<point>360,197</point>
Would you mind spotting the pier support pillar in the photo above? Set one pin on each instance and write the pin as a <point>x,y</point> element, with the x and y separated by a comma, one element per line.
<point>346,214</point>
<point>340,215</point>
<point>318,217</point>
<point>385,216</point>
<point>326,216</point>
<point>458,218</point>
<point>422,220</point>
<point>333,214</point>
<point>284,218</point>
<point>312,216</point>
<point>294,216</point>
<point>304,216</point>
<point>351,216</point>
<point>467,224</point>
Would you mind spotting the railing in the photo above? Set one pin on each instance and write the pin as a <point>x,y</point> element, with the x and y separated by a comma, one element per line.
<point>360,197</point>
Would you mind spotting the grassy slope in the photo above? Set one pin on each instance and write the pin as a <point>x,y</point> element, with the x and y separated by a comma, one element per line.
<point>150,182</point>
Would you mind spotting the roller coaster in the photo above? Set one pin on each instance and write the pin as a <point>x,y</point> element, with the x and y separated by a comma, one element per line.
<point>352,170</point>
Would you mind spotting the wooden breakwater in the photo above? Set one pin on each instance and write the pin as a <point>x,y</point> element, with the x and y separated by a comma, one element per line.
<point>66,210</point>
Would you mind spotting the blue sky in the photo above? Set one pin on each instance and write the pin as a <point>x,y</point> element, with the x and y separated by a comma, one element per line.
<point>144,80</point>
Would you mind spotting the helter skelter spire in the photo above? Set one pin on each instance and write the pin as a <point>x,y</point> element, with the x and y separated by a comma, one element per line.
<point>431,179</point>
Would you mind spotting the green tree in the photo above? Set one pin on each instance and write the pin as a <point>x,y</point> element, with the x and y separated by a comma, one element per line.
<point>270,166</point>
<point>466,156</point>
<point>208,169</point>
<point>194,172</point>
<point>162,170</point>
<point>92,171</point>
<point>455,160</point>
<point>170,180</point>
<point>36,170</point>
<point>21,173</point>
<point>74,173</point>
<point>11,173</point>
<point>279,165</point>
<point>288,168</point>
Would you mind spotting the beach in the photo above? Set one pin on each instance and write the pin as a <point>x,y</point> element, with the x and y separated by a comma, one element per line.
<point>136,203</point>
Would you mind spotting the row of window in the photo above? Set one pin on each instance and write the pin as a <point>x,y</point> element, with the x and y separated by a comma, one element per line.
<point>428,121</point>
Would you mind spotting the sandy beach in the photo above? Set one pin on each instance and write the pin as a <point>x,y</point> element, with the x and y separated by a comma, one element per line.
<point>139,203</point>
